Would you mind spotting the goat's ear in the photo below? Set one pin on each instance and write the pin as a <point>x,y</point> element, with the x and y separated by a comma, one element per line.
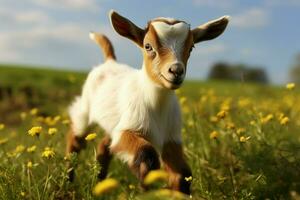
<point>210,30</point>
<point>126,28</point>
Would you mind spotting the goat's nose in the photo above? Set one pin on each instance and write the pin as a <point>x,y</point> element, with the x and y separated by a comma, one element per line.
<point>176,70</point>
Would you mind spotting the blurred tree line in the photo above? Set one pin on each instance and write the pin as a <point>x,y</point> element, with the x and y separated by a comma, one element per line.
<point>238,72</point>
<point>295,70</point>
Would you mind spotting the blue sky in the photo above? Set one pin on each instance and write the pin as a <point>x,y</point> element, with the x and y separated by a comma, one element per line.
<point>55,32</point>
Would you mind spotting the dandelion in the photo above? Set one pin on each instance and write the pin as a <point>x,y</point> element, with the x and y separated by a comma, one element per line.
<point>132,187</point>
<point>35,131</point>
<point>22,194</point>
<point>65,122</point>
<point>34,111</point>
<point>23,115</point>
<point>240,130</point>
<point>3,141</point>
<point>19,149</point>
<point>105,186</point>
<point>31,149</point>
<point>284,120</point>
<point>222,114</point>
<point>267,118</point>
<point>90,136</point>
<point>244,139</point>
<point>230,126</point>
<point>2,126</point>
<point>214,135</point>
<point>155,175</point>
<point>48,153</point>
<point>214,119</point>
<point>252,123</point>
<point>52,131</point>
<point>182,100</point>
<point>290,86</point>
<point>170,193</point>
<point>188,179</point>
<point>29,164</point>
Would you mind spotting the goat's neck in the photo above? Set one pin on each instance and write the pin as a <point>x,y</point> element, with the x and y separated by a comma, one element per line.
<point>154,94</point>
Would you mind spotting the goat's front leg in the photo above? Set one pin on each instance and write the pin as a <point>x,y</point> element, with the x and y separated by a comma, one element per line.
<point>138,153</point>
<point>177,167</point>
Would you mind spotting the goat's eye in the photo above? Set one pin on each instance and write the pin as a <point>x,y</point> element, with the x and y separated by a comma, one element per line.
<point>148,47</point>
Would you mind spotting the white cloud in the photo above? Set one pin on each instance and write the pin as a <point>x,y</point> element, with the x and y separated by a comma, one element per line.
<point>68,4</point>
<point>215,3</point>
<point>13,17</point>
<point>252,18</point>
<point>282,2</point>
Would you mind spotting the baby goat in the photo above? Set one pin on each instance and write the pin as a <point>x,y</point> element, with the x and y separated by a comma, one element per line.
<point>138,109</point>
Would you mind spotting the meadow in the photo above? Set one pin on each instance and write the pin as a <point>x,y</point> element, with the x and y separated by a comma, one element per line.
<point>241,140</point>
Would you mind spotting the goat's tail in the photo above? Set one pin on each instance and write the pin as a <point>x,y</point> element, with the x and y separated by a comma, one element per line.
<point>105,45</point>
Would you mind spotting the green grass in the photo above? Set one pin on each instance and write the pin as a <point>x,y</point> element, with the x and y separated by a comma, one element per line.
<point>266,166</point>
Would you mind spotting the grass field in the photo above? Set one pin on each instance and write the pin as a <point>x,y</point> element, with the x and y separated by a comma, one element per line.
<point>242,141</point>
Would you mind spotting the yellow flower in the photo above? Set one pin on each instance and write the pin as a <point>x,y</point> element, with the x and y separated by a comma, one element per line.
<point>290,86</point>
<point>188,179</point>
<point>57,118</point>
<point>35,131</point>
<point>52,131</point>
<point>214,135</point>
<point>132,187</point>
<point>3,141</point>
<point>284,120</point>
<point>66,121</point>
<point>190,123</point>
<point>240,130</point>
<point>2,126</point>
<point>22,194</point>
<point>155,175</point>
<point>214,119</point>
<point>90,136</point>
<point>31,149</point>
<point>244,139</point>
<point>222,114</point>
<point>105,186</point>
<point>20,148</point>
<point>34,111</point>
<point>170,193</point>
<point>252,122</point>
<point>267,118</point>
<point>230,126</point>
<point>29,164</point>
<point>23,115</point>
<point>182,100</point>
<point>48,153</point>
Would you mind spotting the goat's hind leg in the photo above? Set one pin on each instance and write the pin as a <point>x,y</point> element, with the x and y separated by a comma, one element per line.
<point>104,156</point>
<point>78,131</point>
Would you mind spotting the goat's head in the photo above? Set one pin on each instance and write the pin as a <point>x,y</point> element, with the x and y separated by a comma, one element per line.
<point>166,44</point>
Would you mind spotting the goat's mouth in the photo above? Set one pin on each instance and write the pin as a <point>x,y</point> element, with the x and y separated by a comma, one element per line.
<point>173,83</point>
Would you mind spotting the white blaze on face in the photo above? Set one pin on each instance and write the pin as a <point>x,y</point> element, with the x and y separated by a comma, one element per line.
<point>171,36</point>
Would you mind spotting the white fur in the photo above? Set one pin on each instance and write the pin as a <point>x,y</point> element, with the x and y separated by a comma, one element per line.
<point>120,98</point>
<point>172,36</point>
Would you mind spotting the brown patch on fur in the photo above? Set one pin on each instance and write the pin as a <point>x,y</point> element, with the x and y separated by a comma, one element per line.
<point>145,156</point>
<point>106,45</point>
<point>104,156</point>
<point>176,166</point>
<point>130,143</point>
